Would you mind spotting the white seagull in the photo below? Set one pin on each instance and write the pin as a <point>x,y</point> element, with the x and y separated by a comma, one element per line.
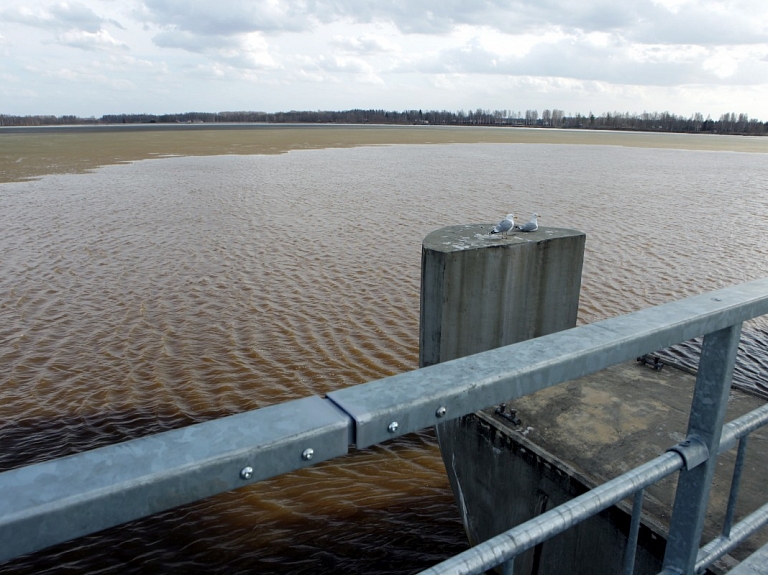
<point>531,226</point>
<point>504,225</point>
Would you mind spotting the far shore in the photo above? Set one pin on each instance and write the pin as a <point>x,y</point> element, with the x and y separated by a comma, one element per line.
<point>30,153</point>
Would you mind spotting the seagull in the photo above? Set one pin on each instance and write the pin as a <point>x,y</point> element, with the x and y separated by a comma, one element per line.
<point>531,226</point>
<point>504,225</point>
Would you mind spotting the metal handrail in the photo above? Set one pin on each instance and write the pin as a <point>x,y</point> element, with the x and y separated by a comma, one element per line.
<point>58,500</point>
<point>506,546</point>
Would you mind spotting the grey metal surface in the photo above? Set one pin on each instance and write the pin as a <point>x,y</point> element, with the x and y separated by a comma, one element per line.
<point>710,399</point>
<point>513,542</point>
<point>496,550</point>
<point>741,427</point>
<point>739,532</point>
<point>58,500</point>
<point>634,531</point>
<point>475,382</point>
<point>755,564</point>
<point>733,494</point>
<point>693,451</point>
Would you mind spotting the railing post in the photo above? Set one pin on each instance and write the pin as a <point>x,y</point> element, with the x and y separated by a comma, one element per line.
<point>710,399</point>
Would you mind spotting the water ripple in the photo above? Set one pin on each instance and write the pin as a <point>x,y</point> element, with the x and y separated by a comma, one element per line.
<point>149,296</point>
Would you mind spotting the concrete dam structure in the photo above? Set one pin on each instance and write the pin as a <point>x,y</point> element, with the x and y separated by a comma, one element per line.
<point>511,463</point>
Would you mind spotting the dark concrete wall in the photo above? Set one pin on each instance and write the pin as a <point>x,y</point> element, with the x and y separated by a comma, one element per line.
<point>507,479</point>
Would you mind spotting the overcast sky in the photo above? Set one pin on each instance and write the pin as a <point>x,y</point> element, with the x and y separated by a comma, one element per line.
<point>94,57</point>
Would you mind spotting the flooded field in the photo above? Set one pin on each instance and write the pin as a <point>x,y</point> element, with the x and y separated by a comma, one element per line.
<point>33,152</point>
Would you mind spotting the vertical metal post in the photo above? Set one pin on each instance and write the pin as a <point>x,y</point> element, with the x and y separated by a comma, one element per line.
<point>508,567</point>
<point>710,398</point>
<point>734,493</point>
<point>634,531</point>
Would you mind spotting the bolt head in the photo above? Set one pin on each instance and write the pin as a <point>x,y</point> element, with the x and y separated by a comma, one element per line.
<point>392,427</point>
<point>307,454</point>
<point>246,472</point>
<point>441,411</point>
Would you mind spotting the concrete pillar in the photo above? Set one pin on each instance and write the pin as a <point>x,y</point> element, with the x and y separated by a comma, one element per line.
<point>477,294</point>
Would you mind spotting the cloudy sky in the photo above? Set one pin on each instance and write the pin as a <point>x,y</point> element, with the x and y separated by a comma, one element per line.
<point>94,57</point>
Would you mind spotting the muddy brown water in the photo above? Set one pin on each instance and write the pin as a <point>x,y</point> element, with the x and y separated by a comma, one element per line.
<point>154,278</point>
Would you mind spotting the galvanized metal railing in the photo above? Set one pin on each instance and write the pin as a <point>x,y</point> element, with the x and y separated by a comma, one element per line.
<point>502,549</point>
<point>58,500</point>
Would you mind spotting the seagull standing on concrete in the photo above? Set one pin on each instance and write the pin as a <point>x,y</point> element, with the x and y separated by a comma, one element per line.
<point>531,226</point>
<point>504,225</point>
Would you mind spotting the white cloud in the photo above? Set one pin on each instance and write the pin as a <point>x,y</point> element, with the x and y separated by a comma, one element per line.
<point>708,24</point>
<point>88,76</point>
<point>365,44</point>
<point>729,61</point>
<point>76,15</point>
<point>672,21</point>
<point>428,54</point>
<point>189,41</point>
<point>58,16</point>
<point>600,57</point>
<point>238,16</point>
<point>100,40</point>
<point>71,24</point>
<point>249,50</point>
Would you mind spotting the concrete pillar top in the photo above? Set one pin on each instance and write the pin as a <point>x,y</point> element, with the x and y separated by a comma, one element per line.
<point>475,236</point>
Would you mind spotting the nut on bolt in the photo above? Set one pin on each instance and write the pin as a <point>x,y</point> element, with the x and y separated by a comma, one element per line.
<point>441,411</point>
<point>307,454</point>
<point>392,427</point>
<point>246,472</point>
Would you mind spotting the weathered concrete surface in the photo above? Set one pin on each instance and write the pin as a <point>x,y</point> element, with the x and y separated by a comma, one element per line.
<point>479,292</point>
<point>600,426</point>
<point>515,480</point>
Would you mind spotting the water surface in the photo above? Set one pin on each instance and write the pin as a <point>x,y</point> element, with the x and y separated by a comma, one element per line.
<point>151,295</point>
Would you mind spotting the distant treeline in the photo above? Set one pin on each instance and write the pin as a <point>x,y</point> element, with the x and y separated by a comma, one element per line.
<point>728,123</point>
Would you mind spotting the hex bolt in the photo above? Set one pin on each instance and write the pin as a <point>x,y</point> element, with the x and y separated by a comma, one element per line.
<point>441,411</point>
<point>307,454</point>
<point>392,427</point>
<point>246,473</point>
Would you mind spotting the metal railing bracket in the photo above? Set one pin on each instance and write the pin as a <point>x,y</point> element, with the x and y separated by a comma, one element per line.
<point>693,450</point>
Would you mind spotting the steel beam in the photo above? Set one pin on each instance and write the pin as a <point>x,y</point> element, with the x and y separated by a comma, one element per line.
<point>411,401</point>
<point>65,498</point>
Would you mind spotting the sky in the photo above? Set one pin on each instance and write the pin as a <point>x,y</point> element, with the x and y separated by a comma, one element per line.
<point>96,57</point>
